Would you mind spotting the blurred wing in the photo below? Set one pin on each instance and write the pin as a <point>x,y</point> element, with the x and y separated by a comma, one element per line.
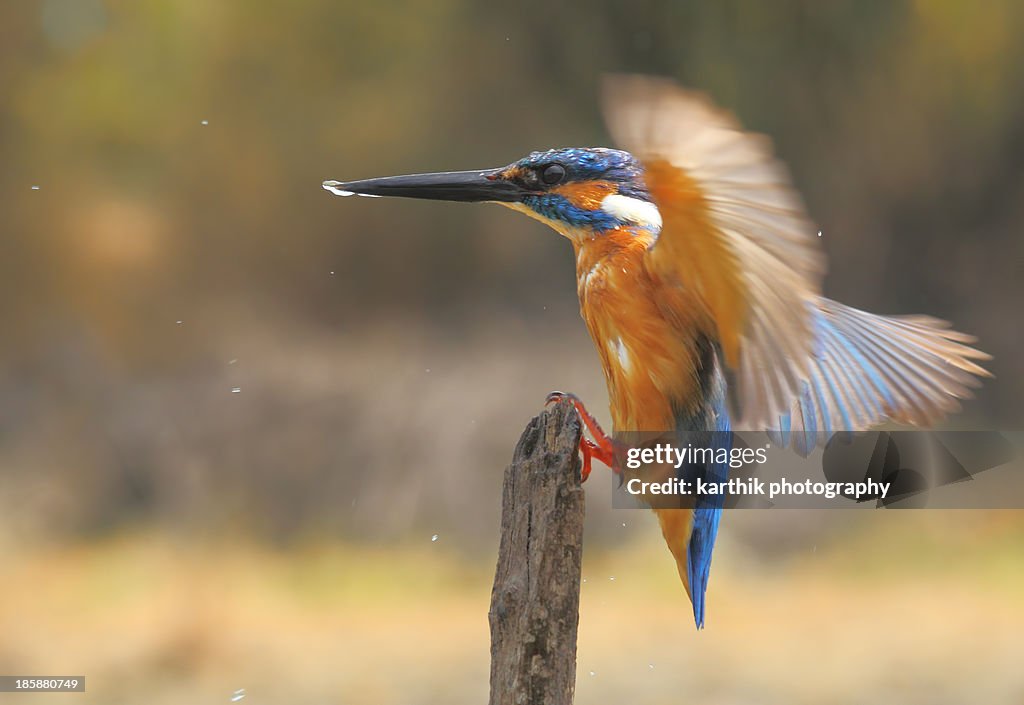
<point>734,239</point>
<point>867,369</point>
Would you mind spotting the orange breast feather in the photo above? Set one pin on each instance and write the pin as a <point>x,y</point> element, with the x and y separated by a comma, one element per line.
<point>650,363</point>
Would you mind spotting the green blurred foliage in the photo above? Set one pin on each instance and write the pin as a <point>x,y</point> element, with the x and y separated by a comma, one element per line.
<point>903,123</point>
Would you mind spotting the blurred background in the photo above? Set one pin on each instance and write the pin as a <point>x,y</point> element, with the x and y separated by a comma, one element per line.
<point>252,435</point>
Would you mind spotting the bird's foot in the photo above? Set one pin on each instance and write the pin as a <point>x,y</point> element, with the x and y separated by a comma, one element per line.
<point>602,447</point>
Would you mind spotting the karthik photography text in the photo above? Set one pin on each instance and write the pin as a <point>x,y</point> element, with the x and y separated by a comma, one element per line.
<point>666,454</point>
<point>754,486</point>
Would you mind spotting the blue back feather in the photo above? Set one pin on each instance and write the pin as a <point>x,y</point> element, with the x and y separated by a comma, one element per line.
<point>712,424</point>
<point>706,515</point>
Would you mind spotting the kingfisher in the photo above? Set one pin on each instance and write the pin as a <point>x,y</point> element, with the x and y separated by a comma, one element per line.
<point>699,279</point>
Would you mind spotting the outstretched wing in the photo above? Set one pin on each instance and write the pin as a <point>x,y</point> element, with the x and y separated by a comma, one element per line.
<point>735,242</point>
<point>867,369</point>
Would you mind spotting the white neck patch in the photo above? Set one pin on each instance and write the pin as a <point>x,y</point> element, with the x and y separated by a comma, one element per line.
<point>632,210</point>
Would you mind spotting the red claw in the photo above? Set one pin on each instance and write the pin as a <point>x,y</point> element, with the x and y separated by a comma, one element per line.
<point>602,447</point>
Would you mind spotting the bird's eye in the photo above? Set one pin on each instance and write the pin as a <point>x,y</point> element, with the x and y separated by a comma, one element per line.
<point>553,174</point>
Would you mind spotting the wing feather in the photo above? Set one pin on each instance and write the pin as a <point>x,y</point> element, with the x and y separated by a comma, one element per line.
<point>869,369</point>
<point>737,255</point>
<point>735,241</point>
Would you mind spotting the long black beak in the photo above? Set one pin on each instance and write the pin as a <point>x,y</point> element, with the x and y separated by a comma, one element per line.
<point>468,186</point>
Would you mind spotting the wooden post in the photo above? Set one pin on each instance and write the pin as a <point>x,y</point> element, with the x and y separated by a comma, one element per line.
<point>535,601</point>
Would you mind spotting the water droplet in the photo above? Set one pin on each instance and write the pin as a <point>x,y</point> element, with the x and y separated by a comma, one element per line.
<point>819,233</point>
<point>428,369</point>
<point>236,390</point>
<point>592,673</point>
<point>584,580</point>
<point>238,695</point>
<point>433,538</point>
<point>623,524</point>
<point>179,322</point>
<point>204,122</point>
<point>233,361</point>
<point>332,274</point>
<point>611,577</point>
<point>35,188</point>
<point>650,666</point>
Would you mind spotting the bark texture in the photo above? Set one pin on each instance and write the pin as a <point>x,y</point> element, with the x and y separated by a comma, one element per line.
<point>535,601</point>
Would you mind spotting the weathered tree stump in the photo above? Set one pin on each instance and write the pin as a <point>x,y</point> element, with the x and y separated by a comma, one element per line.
<point>535,601</point>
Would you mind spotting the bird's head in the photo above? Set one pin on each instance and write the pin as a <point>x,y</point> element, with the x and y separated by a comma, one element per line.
<point>580,192</point>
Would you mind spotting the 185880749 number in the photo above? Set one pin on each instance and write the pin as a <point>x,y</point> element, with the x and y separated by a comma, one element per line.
<point>39,684</point>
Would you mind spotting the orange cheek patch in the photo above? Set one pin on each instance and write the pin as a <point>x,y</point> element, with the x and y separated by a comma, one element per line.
<point>586,194</point>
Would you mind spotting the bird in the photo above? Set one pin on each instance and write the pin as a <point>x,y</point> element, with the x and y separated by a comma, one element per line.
<point>699,276</point>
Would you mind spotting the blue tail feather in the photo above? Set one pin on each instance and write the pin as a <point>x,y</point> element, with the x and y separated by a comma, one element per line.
<point>708,510</point>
